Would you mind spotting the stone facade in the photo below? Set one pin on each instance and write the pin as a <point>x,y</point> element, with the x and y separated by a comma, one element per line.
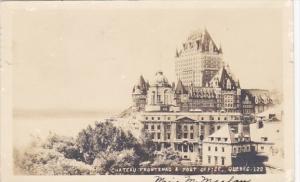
<point>185,132</point>
<point>206,115</point>
<point>198,59</point>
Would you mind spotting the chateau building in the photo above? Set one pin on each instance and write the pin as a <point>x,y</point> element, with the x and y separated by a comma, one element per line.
<point>185,131</point>
<point>256,100</point>
<point>139,94</point>
<point>206,115</point>
<point>198,59</point>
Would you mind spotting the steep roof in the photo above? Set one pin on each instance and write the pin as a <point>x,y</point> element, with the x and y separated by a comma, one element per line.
<point>224,132</point>
<point>180,89</point>
<point>141,87</point>
<point>221,77</point>
<point>199,40</point>
<point>259,96</point>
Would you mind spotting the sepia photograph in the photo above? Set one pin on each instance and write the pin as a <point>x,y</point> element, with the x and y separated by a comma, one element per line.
<point>191,90</point>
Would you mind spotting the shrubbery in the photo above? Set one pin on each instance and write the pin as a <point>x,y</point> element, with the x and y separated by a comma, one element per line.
<point>96,150</point>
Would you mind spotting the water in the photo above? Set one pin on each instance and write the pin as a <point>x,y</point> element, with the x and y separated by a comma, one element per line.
<point>26,127</point>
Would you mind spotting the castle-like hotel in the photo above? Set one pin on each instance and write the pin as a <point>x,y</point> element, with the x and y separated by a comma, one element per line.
<point>206,115</point>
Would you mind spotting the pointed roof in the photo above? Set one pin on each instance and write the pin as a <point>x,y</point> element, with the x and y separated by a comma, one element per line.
<point>141,87</point>
<point>186,118</point>
<point>220,49</point>
<point>238,84</point>
<point>180,89</point>
<point>222,76</point>
<point>259,96</point>
<point>224,132</point>
<point>199,40</point>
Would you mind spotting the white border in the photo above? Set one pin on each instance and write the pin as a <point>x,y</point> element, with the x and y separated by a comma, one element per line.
<point>6,153</point>
<point>297,89</point>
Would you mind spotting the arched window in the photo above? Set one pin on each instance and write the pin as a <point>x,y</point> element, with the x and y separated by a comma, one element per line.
<point>153,97</point>
<point>166,99</point>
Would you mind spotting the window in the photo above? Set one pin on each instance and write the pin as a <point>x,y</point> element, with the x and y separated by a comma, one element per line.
<point>185,135</point>
<point>168,136</point>
<point>152,118</point>
<point>146,127</point>
<point>212,138</point>
<point>208,148</point>
<point>218,127</point>
<point>191,147</point>
<point>223,149</point>
<point>158,147</point>
<point>152,136</point>
<point>208,159</point>
<point>192,127</point>
<point>169,118</point>
<point>146,118</point>
<point>179,127</point>
<point>218,118</point>
<point>158,118</point>
<point>216,160</point>
<point>192,135</point>
<point>152,127</point>
<point>179,147</point>
<point>223,161</point>
<point>185,127</point>
<point>219,139</point>
<point>201,137</point>
<point>158,127</point>
<point>262,147</point>
<point>202,127</point>
<point>158,136</point>
<point>216,149</point>
<point>185,148</point>
<point>202,118</point>
<point>168,127</point>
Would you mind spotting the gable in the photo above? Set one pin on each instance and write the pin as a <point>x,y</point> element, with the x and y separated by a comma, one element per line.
<point>185,119</point>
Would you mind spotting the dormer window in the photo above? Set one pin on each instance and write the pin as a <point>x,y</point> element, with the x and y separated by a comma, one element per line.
<point>228,84</point>
<point>246,99</point>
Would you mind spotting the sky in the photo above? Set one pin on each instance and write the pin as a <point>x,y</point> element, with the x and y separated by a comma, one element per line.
<point>89,58</point>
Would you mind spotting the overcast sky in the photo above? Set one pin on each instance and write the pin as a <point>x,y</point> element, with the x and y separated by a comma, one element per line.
<point>90,58</point>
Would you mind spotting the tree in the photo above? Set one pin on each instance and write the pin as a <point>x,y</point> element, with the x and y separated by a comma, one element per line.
<point>104,138</point>
<point>96,150</point>
<point>62,144</point>
<point>105,162</point>
<point>167,157</point>
<point>43,158</point>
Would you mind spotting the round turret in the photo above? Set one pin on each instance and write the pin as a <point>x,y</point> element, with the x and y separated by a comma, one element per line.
<point>160,79</point>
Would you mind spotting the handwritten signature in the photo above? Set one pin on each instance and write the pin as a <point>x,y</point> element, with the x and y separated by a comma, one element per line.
<point>199,179</point>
